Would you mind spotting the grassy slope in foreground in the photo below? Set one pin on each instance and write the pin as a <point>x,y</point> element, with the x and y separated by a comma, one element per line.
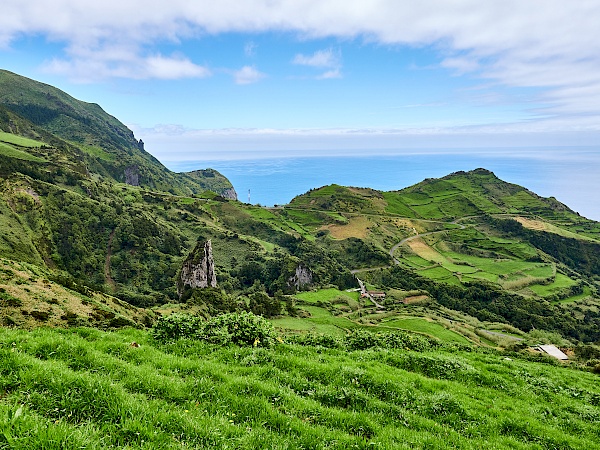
<point>87,388</point>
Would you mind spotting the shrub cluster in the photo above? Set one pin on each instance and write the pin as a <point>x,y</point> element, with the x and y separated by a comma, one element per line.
<point>242,329</point>
<point>362,340</point>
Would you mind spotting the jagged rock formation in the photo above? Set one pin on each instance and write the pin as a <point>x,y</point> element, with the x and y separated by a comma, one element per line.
<point>302,278</point>
<point>198,270</point>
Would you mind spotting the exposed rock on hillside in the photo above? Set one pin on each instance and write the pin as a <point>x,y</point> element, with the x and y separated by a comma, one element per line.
<point>229,193</point>
<point>302,278</point>
<point>132,175</point>
<point>198,270</point>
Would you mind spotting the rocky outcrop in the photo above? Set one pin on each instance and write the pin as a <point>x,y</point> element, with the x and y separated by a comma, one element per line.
<point>198,270</point>
<point>301,279</point>
<point>132,175</point>
<point>229,193</point>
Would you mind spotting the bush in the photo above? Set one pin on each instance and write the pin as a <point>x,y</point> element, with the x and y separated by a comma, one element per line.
<point>317,340</point>
<point>233,328</point>
<point>242,329</point>
<point>177,326</point>
<point>361,340</point>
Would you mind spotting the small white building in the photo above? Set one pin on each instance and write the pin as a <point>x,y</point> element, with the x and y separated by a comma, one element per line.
<point>553,351</point>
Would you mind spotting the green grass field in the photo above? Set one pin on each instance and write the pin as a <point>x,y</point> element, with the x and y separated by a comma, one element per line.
<point>85,388</point>
<point>427,327</point>
<point>561,281</point>
<point>10,138</point>
<point>325,295</point>
<point>12,152</point>
<point>295,324</point>
<point>587,292</point>
<point>98,153</point>
<point>322,321</point>
<point>453,267</point>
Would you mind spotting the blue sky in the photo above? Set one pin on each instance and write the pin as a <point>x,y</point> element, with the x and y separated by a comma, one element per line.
<point>258,78</point>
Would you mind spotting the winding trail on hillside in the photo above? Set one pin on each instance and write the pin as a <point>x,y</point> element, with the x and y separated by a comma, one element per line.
<point>404,241</point>
<point>417,235</point>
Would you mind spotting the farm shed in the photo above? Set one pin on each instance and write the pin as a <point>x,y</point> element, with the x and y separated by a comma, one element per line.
<point>552,351</point>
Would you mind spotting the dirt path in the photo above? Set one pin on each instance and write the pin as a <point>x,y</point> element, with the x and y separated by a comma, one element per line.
<point>107,277</point>
<point>417,235</point>
<point>504,335</point>
<point>364,291</point>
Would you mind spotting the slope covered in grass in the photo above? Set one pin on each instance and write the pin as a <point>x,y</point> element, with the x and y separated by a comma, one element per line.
<point>84,132</point>
<point>93,389</point>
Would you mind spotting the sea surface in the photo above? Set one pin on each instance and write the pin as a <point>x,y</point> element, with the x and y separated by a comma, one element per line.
<point>571,175</point>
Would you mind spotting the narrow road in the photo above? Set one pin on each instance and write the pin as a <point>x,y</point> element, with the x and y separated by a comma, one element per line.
<point>364,291</point>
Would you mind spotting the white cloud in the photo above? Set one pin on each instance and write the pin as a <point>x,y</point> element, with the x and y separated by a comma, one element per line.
<point>321,58</point>
<point>248,75</point>
<point>330,75</point>
<point>461,65</point>
<point>554,44</point>
<point>250,49</point>
<point>173,68</point>
<point>119,62</point>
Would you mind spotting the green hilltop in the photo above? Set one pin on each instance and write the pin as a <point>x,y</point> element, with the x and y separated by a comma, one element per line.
<point>83,136</point>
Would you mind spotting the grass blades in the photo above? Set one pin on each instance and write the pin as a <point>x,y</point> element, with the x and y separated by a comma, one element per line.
<point>85,388</point>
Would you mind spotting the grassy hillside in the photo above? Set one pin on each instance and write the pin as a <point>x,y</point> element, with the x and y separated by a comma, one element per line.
<point>93,389</point>
<point>83,131</point>
<point>130,241</point>
<point>31,297</point>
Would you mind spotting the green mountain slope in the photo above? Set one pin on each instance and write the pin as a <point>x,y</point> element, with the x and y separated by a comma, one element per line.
<point>84,131</point>
<point>457,195</point>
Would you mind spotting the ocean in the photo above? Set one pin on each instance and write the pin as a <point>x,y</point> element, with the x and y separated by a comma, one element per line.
<point>572,175</point>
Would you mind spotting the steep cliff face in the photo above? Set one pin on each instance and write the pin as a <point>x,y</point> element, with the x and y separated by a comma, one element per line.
<point>302,278</point>
<point>132,175</point>
<point>198,270</point>
<point>229,193</point>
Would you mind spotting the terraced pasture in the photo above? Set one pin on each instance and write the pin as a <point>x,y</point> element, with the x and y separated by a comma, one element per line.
<point>10,138</point>
<point>425,326</point>
<point>440,264</point>
<point>540,225</point>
